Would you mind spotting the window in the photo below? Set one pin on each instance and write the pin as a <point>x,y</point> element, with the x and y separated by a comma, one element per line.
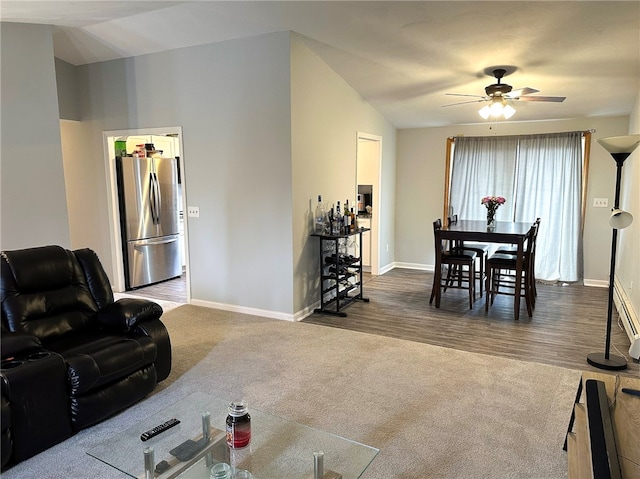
<point>540,176</point>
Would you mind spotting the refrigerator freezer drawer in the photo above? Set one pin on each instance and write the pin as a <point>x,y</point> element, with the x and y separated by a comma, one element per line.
<point>153,260</point>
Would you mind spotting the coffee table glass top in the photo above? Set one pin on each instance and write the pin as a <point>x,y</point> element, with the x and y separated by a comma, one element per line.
<point>279,448</point>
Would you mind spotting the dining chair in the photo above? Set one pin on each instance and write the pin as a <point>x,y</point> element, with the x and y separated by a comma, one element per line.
<point>501,273</point>
<point>514,252</point>
<point>481,250</point>
<point>461,267</point>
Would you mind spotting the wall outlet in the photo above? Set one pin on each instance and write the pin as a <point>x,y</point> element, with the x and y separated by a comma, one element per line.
<point>193,211</point>
<point>600,202</point>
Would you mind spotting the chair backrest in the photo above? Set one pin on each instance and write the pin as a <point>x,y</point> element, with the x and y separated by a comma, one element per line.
<point>437,242</point>
<point>531,240</point>
<point>534,237</point>
<point>48,292</point>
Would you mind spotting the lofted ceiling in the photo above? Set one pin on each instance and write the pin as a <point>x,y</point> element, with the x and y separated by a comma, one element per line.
<point>402,57</point>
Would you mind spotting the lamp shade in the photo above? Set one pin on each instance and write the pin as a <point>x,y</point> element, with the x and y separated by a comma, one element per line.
<point>485,112</point>
<point>620,219</point>
<point>498,108</point>
<point>620,144</point>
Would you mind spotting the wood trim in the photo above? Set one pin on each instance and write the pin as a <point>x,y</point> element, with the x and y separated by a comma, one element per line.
<point>447,174</point>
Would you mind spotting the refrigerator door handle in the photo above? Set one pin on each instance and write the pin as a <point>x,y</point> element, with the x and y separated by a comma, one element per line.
<point>152,198</point>
<point>158,198</point>
<point>155,243</point>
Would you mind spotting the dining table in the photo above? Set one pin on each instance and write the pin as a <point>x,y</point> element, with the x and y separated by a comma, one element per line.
<point>510,232</point>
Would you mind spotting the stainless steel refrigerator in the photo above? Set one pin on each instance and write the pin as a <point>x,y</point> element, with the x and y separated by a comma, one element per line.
<point>149,217</point>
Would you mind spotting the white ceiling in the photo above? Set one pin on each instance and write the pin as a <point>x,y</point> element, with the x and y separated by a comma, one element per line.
<point>402,57</point>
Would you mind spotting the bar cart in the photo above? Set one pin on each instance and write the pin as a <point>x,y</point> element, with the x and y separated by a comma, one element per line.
<point>340,271</point>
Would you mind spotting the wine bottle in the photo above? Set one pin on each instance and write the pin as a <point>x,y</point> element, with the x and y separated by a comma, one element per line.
<point>347,217</point>
<point>333,222</point>
<point>353,220</point>
<point>319,217</point>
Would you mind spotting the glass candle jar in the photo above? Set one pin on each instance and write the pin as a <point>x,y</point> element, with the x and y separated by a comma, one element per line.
<point>238,425</point>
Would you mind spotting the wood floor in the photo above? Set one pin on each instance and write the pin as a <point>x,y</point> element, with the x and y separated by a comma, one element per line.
<point>171,290</point>
<point>568,323</point>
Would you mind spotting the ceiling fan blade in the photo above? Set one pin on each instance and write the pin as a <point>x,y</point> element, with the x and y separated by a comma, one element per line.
<point>520,92</point>
<point>556,99</point>
<point>464,94</point>
<point>464,102</point>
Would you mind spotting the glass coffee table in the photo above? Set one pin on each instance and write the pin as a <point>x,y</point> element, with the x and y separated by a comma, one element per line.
<point>279,448</point>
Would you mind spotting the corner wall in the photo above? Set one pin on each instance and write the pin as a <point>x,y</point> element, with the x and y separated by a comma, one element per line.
<point>34,207</point>
<point>326,115</point>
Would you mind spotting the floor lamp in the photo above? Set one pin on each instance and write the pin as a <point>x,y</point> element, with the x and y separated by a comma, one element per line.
<point>620,147</point>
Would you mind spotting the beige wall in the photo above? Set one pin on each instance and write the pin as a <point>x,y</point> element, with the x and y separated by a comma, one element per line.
<point>628,253</point>
<point>420,171</point>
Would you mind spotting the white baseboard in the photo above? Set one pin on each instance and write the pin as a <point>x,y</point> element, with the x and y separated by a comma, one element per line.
<point>419,266</point>
<point>242,309</point>
<point>300,315</point>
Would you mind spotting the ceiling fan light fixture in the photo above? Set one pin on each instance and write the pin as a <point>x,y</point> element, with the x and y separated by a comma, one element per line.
<point>498,108</point>
<point>508,111</point>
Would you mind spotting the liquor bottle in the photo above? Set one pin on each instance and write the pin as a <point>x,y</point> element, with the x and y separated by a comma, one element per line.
<point>346,220</point>
<point>333,222</point>
<point>347,217</point>
<point>319,217</point>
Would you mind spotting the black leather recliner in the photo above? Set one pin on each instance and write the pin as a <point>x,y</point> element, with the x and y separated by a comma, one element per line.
<point>71,356</point>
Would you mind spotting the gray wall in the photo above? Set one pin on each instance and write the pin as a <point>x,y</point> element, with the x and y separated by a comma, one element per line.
<point>34,208</point>
<point>232,101</point>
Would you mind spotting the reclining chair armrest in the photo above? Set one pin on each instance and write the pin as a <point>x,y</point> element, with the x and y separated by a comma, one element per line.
<point>16,344</point>
<point>126,313</point>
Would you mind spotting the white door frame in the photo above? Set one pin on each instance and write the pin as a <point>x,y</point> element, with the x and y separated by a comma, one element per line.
<point>375,214</point>
<point>112,203</point>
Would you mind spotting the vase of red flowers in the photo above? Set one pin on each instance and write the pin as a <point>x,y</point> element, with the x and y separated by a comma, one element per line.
<point>492,203</point>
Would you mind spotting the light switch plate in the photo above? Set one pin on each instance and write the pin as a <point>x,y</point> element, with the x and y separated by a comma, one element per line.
<point>600,202</point>
<point>193,211</point>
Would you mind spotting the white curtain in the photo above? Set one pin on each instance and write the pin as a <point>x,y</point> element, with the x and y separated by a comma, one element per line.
<point>483,166</point>
<point>541,177</point>
<point>549,186</point>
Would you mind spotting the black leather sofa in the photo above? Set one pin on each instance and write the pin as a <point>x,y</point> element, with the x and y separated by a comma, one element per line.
<point>71,356</point>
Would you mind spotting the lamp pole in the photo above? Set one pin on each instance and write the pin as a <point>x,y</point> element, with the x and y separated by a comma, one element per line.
<point>620,148</point>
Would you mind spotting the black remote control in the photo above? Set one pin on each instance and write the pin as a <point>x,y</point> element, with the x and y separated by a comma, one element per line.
<point>158,429</point>
<point>189,448</point>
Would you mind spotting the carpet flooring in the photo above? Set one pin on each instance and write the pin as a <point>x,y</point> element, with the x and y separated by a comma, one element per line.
<point>433,412</point>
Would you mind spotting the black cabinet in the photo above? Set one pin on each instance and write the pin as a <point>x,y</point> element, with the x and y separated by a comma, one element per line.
<point>340,271</point>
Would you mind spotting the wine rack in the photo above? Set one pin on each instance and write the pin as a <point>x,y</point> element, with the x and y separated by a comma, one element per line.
<point>340,271</point>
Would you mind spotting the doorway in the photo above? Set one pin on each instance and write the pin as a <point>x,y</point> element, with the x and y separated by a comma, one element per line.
<point>369,159</point>
<point>169,142</point>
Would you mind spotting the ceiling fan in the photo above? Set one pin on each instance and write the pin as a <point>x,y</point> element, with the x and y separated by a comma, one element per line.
<point>499,92</point>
